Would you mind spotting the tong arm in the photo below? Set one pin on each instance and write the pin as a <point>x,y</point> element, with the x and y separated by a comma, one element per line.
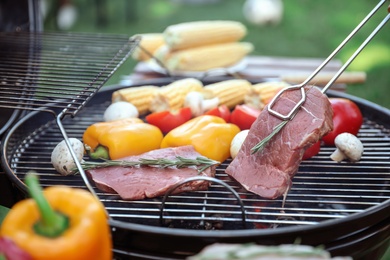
<point>291,114</point>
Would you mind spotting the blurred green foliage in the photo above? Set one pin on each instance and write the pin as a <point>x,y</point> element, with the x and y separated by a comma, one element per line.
<point>308,29</point>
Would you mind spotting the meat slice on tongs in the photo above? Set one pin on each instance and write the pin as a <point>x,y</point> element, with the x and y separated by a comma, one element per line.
<point>296,118</point>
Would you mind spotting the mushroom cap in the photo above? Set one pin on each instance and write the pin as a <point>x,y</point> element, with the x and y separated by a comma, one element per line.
<point>120,110</point>
<point>350,146</point>
<point>61,158</point>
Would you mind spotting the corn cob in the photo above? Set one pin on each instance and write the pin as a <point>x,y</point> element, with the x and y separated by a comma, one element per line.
<point>207,57</point>
<point>199,33</point>
<point>262,93</point>
<point>162,53</point>
<point>150,42</point>
<point>140,97</point>
<point>172,96</point>
<point>230,92</point>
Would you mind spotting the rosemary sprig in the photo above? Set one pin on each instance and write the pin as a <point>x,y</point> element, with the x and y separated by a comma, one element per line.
<point>200,162</point>
<point>260,145</point>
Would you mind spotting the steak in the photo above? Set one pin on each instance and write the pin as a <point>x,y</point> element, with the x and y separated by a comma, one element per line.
<point>268,172</point>
<point>135,183</point>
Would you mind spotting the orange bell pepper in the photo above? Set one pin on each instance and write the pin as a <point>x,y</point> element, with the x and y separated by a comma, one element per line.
<point>123,137</point>
<point>210,135</point>
<point>59,223</point>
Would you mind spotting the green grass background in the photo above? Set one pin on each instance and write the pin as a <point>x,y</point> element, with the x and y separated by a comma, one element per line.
<point>309,29</point>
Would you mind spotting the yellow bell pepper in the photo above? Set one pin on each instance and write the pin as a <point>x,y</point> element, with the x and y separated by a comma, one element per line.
<point>59,223</point>
<point>123,137</point>
<point>210,135</point>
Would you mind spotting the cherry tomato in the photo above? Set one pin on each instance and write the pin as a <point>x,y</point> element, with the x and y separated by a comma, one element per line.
<point>312,150</point>
<point>168,120</point>
<point>347,117</point>
<point>222,111</point>
<point>243,116</point>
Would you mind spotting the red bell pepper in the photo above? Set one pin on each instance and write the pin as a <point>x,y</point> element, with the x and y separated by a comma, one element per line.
<point>243,116</point>
<point>221,111</point>
<point>168,120</point>
<point>312,150</point>
<point>347,117</point>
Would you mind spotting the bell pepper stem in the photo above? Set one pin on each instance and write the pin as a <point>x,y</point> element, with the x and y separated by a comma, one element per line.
<point>51,224</point>
<point>100,152</point>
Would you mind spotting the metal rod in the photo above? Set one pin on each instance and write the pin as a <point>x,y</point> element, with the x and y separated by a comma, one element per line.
<point>345,41</point>
<point>77,162</point>
<point>204,178</point>
<point>356,53</point>
<point>291,114</point>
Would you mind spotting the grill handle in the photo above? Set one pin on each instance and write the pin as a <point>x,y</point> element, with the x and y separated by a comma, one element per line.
<point>203,178</point>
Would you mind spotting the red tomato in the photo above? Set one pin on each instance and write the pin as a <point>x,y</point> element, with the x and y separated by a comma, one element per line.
<point>243,116</point>
<point>312,150</point>
<point>168,120</point>
<point>347,117</point>
<point>222,111</point>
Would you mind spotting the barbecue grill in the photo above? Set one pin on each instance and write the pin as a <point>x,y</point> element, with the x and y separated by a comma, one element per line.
<point>329,203</point>
<point>54,83</point>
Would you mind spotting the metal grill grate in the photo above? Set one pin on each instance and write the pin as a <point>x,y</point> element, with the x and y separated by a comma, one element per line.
<point>322,190</point>
<point>56,70</point>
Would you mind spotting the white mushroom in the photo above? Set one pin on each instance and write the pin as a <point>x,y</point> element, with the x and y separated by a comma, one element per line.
<point>62,159</point>
<point>198,105</point>
<point>237,142</point>
<point>120,110</point>
<point>349,147</point>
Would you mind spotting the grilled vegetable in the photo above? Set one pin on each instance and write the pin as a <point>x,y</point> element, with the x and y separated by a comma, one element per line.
<point>220,251</point>
<point>243,116</point>
<point>172,96</point>
<point>262,93</point>
<point>229,92</point>
<point>9,250</point>
<point>62,159</point>
<point>210,135</point>
<point>140,97</point>
<point>162,53</point>
<point>122,138</point>
<point>349,147</point>
<point>237,142</point>
<point>220,111</point>
<point>120,110</point>
<point>198,33</point>
<point>205,57</point>
<point>149,42</point>
<point>168,120</point>
<point>347,118</point>
<point>198,104</point>
<point>60,223</point>
<point>312,151</point>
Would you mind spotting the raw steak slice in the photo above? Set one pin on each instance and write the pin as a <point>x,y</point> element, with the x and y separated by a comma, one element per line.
<point>268,173</point>
<point>135,183</point>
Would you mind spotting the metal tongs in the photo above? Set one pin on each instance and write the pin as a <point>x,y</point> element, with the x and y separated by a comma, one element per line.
<point>295,109</point>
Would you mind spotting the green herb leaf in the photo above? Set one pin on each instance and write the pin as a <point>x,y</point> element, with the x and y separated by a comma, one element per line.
<point>260,146</point>
<point>201,163</point>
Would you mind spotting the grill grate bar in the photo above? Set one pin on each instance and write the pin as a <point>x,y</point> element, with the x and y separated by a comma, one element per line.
<point>250,210</point>
<point>57,70</point>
